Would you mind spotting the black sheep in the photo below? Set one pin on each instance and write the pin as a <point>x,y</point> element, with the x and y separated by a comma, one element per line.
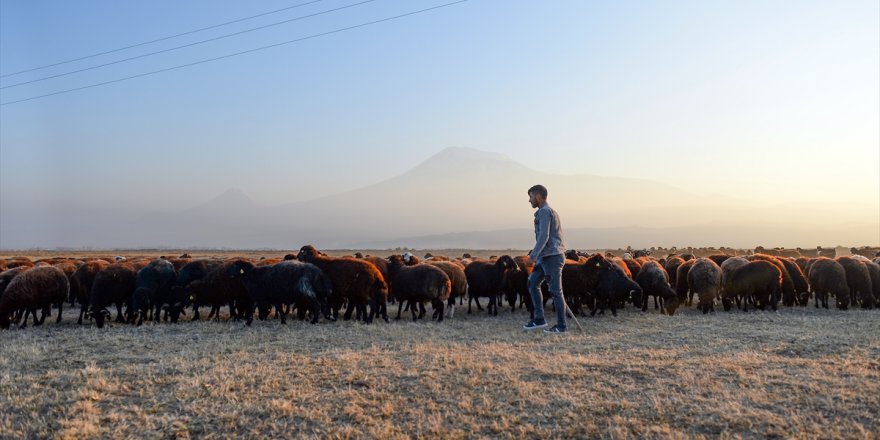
<point>728,267</point>
<point>759,282</point>
<point>282,285</point>
<point>655,282</point>
<point>113,285</point>
<point>874,272</point>
<point>85,278</point>
<point>153,290</point>
<point>858,279</point>
<point>33,289</point>
<point>682,290</point>
<point>486,279</point>
<point>613,289</point>
<point>828,277</point>
<point>190,272</point>
<point>217,289</point>
<point>417,284</point>
<point>704,279</point>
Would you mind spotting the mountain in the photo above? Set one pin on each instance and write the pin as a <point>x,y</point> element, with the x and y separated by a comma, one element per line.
<point>438,203</point>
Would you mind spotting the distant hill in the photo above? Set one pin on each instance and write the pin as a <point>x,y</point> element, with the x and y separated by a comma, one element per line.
<point>440,203</point>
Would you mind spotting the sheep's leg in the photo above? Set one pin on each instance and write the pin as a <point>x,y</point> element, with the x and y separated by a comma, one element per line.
<point>24,322</point>
<point>421,310</point>
<point>249,319</point>
<point>280,310</point>
<point>412,310</point>
<point>613,307</point>
<point>119,317</point>
<point>656,306</point>
<point>438,306</point>
<point>60,308</point>
<point>195,313</point>
<point>399,309</point>
<point>348,310</point>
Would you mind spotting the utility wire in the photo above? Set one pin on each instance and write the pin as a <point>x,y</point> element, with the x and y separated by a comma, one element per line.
<point>236,53</point>
<point>187,45</point>
<point>160,39</point>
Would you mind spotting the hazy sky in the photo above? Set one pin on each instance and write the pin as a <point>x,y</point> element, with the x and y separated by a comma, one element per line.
<point>762,100</point>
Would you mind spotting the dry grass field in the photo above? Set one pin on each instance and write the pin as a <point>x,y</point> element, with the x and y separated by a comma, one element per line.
<point>801,373</point>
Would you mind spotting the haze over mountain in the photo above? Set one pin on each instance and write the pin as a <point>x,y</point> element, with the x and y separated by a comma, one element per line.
<point>460,197</point>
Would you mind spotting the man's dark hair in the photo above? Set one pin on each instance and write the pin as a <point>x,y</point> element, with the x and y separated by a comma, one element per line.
<point>538,189</point>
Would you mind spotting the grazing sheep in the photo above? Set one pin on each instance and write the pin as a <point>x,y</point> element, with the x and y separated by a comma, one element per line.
<point>7,275</point>
<point>624,265</point>
<point>704,279</point>
<point>802,263</point>
<point>357,281</point>
<point>486,279</point>
<point>759,282</point>
<point>85,278</point>
<point>217,289</point>
<point>655,282</point>
<point>633,267</point>
<point>728,294</point>
<point>671,267</point>
<point>682,290</point>
<point>36,288</point>
<point>457,277</point>
<point>69,267</point>
<point>828,277</point>
<point>874,272</point>
<point>613,289</point>
<point>417,284</point>
<point>153,291</point>
<point>789,294</point>
<point>799,280</point>
<point>192,271</point>
<point>283,285</point>
<point>858,279</point>
<point>719,258</point>
<point>113,285</point>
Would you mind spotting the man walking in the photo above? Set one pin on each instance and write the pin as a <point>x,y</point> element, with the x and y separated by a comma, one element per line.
<point>548,258</point>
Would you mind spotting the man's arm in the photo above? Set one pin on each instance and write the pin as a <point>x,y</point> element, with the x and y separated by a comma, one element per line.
<point>543,234</point>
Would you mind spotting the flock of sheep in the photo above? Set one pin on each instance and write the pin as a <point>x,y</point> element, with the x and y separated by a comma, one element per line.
<point>314,285</point>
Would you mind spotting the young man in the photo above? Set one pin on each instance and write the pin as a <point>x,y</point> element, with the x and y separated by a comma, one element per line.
<point>548,258</point>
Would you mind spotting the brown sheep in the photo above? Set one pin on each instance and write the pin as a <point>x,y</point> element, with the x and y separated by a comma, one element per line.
<point>682,289</point>
<point>758,282</point>
<point>858,279</point>
<point>457,277</point>
<point>84,277</point>
<point>728,294</point>
<point>417,284</point>
<point>789,294</point>
<point>671,267</point>
<point>36,288</point>
<point>357,281</point>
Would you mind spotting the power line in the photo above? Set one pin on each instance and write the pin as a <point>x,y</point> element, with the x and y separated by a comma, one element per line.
<point>160,39</point>
<point>187,45</point>
<point>237,53</point>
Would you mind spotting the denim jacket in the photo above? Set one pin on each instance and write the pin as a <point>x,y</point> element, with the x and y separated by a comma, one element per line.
<point>548,234</point>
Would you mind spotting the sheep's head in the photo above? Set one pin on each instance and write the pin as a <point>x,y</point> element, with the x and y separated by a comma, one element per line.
<point>239,269</point>
<point>307,253</point>
<point>507,263</point>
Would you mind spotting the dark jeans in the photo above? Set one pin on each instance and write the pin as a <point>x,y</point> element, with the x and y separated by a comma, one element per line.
<point>549,268</point>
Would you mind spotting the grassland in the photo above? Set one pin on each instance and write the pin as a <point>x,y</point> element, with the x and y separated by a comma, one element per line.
<point>801,373</point>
